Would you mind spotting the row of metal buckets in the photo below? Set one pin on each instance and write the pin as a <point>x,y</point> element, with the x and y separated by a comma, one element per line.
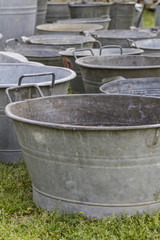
<point>96,153</point>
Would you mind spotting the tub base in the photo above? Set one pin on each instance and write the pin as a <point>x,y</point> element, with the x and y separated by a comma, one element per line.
<point>49,203</point>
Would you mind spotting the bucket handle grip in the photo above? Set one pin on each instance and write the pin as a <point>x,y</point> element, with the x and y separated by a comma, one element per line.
<point>82,50</point>
<point>132,43</point>
<point>94,42</point>
<point>15,89</point>
<point>36,75</point>
<point>110,46</point>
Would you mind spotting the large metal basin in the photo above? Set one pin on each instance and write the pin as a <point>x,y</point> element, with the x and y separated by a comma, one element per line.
<point>89,9</point>
<point>95,68</point>
<point>69,60</point>
<point>95,153</point>
<point>148,45</point>
<point>10,57</point>
<point>119,37</point>
<point>9,74</point>
<point>103,21</point>
<point>45,48</point>
<point>66,29</point>
<point>133,86</point>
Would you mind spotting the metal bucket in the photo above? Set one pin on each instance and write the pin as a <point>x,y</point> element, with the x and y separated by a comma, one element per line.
<point>9,74</point>
<point>41,12</point>
<point>56,11</point>
<point>89,9</point>
<point>138,15</point>
<point>121,14</point>
<point>119,37</point>
<point>17,18</point>
<point>133,86</point>
<point>94,153</point>
<point>103,21</point>
<point>66,29</point>
<point>147,45</point>
<point>45,48</point>
<point>70,54</point>
<point>95,68</point>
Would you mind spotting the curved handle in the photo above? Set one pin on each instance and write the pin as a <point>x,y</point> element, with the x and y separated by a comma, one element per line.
<point>82,50</point>
<point>131,43</point>
<point>110,79</point>
<point>14,41</point>
<point>36,75</point>
<point>111,46</point>
<point>19,88</point>
<point>96,41</point>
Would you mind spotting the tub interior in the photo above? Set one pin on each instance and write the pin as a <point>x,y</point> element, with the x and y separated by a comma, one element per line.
<point>120,61</point>
<point>10,73</point>
<point>90,110</point>
<point>68,27</point>
<point>149,43</point>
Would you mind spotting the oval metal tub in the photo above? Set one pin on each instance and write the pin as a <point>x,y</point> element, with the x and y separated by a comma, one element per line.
<point>94,153</point>
<point>120,36</point>
<point>148,45</point>
<point>9,74</point>
<point>95,68</point>
<point>69,60</point>
<point>133,86</point>
<point>66,29</point>
<point>45,48</point>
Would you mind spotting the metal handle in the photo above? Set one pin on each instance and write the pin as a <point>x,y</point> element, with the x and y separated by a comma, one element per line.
<point>132,43</point>
<point>82,50</point>
<point>36,75</point>
<point>96,41</point>
<point>110,79</point>
<point>11,40</point>
<point>17,88</point>
<point>110,46</point>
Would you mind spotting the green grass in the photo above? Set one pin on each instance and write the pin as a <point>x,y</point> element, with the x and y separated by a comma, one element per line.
<point>148,18</point>
<point>21,219</point>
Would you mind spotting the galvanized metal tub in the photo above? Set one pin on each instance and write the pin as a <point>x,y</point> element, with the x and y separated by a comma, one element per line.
<point>134,86</point>
<point>41,12</point>
<point>95,68</point>
<point>121,14</point>
<point>45,48</point>
<point>89,9</point>
<point>70,54</point>
<point>57,10</point>
<point>103,21</point>
<point>9,74</point>
<point>119,37</point>
<point>95,153</point>
<point>66,29</point>
<point>17,18</point>
<point>148,45</point>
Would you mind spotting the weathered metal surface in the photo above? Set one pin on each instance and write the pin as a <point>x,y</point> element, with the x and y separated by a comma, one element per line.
<point>122,14</point>
<point>134,86</point>
<point>69,60</point>
<point>57,10</point>
<point>103,21</point>
<point>66,29</point>
<point>95,68</point>
<point>10,57</point>
<point>17,18</point>
<point>94,153</point>
<point>148,45</point>
<point>9,74</point>
<point>89,9</point>
<point>41,12</point>
<point>45,49</point>
<point>119,37</point>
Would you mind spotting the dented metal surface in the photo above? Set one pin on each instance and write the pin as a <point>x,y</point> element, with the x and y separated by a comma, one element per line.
<point>94,153</point>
